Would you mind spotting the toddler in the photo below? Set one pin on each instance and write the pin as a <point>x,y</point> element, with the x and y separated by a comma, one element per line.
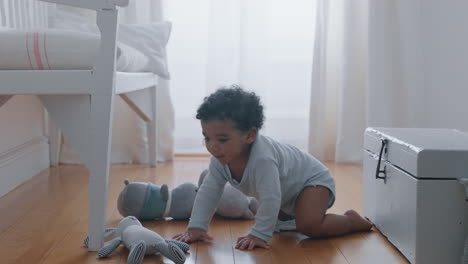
<point>288,183</point>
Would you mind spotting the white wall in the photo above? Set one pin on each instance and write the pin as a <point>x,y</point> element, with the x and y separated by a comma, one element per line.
<point>24,150</point>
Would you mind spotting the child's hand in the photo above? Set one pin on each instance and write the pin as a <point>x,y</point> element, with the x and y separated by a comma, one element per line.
<point>249,242</point>
<point>192,235</point>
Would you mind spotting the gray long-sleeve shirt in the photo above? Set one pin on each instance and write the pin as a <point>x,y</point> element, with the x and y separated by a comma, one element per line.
<point>275,174</point>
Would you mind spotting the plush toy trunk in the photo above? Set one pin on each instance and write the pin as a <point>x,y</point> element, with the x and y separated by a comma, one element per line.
<point>417,196</point>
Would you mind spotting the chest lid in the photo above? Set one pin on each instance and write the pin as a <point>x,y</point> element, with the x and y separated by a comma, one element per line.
<point>422,152</point>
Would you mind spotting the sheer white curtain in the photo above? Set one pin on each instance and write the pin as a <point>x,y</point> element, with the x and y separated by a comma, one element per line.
<point>419,51</point>
<point>386,63</point>
<point>325,69</point>
<point>339,80</point>
<point>367,71</point>
<point>264,45</point>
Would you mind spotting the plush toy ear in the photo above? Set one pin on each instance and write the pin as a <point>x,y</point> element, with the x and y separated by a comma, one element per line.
<point>164,192</point>
<point>126,182</point>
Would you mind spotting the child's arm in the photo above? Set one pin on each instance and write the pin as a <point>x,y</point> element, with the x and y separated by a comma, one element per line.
<point>269,193</point>
<point>207,199</point>
<point>205,204</point>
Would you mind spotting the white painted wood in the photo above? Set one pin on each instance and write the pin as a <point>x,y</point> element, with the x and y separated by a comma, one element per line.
<point>100,127</point>
<point>151,129</point>
<point>427,152</point>
<point>77,81</point>
<point>17,7</point>
<point>72,114</point>
<point>444,211</point>
<point>144,104</point>
<point>22,162</point>
<point>99,151</point>
<point>81,102</point>
<point>23,14</point>
<point>30,155</point>
<point>12,22</point>
<point>2,14</point>
<point>91,4</point>
<point>140,102</point>
<point>131,81</point>
<point>21,122</point>
<point>55,143</point>
<point>18,151</point>
<point>47,82</point>
<point>426,218</point>
<point>386,201</point>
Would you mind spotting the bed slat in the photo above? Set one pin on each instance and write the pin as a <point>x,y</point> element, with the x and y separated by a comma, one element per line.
<point>24,14</point>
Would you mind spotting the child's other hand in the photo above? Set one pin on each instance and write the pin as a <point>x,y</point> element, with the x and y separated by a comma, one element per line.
<point>250,242</point>
<point>192,235</point>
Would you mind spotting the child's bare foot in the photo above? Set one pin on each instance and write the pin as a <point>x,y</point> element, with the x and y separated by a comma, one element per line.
<point>358,223</point>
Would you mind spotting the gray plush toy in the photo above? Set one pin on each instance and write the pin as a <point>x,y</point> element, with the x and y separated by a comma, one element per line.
<point>141,242</point>
<point>148,201</point>
<point>234,203</point>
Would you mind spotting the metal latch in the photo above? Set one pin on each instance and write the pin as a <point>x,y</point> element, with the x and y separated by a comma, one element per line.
<point>378,171</point>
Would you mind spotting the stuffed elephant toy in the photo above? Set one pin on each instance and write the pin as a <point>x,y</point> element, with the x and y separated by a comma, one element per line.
<point>234,203</point>
<point>141,242</point>
<point>148,201</point>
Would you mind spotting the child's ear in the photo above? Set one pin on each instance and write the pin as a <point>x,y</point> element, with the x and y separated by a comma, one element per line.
<point>251,135</point>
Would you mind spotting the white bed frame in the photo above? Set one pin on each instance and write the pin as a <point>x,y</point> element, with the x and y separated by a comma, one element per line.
<point>81,102</point>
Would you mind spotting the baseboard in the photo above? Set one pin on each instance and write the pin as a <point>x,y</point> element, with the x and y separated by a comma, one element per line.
<point>21,163</point>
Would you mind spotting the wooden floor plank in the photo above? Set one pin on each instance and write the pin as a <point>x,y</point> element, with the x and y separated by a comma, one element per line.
<point>240,228</point>
<point>14,202</point>
<point>381,244</point>
<point>38,231</point>
<point>45,220</point>
<point>286,247</point>
<point>168,229</point>
<point>220,249</point>
<point>322,251</point>
<point>358,250</point>
<point>79,230</point>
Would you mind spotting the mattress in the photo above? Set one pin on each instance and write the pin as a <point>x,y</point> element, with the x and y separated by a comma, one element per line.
<point>55,49</point>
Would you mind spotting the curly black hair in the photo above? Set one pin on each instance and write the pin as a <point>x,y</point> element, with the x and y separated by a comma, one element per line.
<point>235,104</point>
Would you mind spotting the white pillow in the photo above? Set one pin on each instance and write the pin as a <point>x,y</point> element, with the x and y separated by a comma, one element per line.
<point>131,60</point>
<point>150,39</point>
<point>60,50</point>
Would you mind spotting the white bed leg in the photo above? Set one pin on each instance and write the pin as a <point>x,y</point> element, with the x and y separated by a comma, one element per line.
<point>55,143</point>
<point>151,129</point>
<point>100,135</point>
<point>100,140</point>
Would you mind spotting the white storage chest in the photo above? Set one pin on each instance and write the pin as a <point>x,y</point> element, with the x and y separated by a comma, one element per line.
<point>417,195</point>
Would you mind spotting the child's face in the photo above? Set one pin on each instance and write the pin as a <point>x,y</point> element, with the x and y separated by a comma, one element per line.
<point>224,141</point>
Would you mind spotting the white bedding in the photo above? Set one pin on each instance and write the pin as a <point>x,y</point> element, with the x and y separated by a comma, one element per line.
<point>150,39</point>
<point>54,49</point>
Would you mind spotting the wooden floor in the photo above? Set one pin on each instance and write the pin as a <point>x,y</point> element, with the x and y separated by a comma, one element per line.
<point>45,221</point>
